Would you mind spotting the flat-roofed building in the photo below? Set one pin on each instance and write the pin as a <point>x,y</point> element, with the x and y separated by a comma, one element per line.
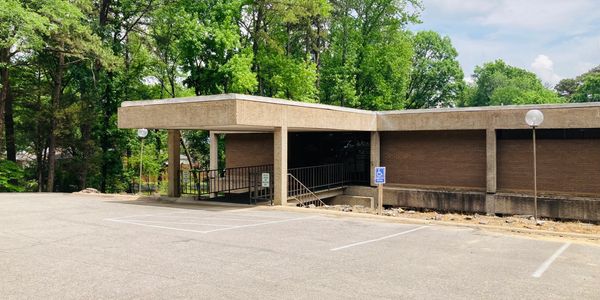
<point>455,159</point>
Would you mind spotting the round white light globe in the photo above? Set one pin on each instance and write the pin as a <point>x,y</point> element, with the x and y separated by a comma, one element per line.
<point>534,118</point>
<point>143,132</point>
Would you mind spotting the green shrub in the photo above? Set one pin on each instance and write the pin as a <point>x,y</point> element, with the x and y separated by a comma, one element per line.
<point>11,177</point>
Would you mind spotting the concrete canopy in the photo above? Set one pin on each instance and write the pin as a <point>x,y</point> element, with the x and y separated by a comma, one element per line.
<point>235,112</point>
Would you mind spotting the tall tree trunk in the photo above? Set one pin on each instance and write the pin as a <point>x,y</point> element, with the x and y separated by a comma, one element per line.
<point>56,93</point>
<point>40,140</point>
<point>190,161</point>
<point>86,139</point>
<point>40,169</point>
<point>9,128</point>
<point>4,60</point>
<point>105,142</point>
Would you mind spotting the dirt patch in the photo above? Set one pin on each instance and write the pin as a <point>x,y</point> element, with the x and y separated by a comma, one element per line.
<point>511,222</point>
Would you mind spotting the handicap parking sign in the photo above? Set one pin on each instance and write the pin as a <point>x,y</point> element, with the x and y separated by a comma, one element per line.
<point>379,175</point>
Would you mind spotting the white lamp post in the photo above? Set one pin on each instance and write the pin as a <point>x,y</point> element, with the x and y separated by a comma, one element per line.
<point>534,118</point>
<point>142,133</point>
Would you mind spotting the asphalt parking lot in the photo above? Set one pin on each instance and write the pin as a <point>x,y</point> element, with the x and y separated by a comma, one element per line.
<point>75,246</point>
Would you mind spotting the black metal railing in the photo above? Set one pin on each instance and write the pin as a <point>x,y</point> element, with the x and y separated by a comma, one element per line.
<point>322,177</point>
<point>241,180</point>
<point>217,181</point>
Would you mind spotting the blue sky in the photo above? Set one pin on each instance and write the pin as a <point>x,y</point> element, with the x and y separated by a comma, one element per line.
<point>553,38</point>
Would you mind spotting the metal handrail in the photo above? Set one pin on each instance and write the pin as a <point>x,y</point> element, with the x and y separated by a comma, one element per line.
<point>308,192</point>
<point>321,177</point>
<point>222,180</point>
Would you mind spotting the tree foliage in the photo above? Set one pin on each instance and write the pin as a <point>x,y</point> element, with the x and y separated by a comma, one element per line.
<point>497,83</point>
<point>436,78</point>
<point>11,177</point>
<point>368,60</point>
<point>67,65</point>
<point>583,88</point>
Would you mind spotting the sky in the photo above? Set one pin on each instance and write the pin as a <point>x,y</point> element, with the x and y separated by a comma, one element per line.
<point>555,39</point>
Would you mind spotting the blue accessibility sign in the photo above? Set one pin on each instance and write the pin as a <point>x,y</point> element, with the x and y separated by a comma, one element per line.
<point>379,175</point>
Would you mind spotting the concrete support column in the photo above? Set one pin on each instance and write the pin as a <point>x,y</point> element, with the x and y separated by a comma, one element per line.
<point>490,146</point>
<point>280,166</point>
<point>174,137</point>
<point>375,155</point>
<point>214,151</point>
<point>213,163</point>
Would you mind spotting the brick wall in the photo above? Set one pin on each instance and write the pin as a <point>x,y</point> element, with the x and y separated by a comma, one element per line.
<point>564,165</point>
<point>248,149</point>
<point>435,158</point>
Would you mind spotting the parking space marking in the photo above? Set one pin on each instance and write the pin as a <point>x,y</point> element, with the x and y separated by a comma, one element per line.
<point>261,224</point>
<point>150,215</point>
<point>216,217</point>
<point>227,227</point>
<point>378,239</point>
<point>544,266</point>
<point>178,223</point>
<point>156,226</point>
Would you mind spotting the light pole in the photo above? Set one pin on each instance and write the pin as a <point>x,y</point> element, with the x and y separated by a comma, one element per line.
<point>142,133</point>
<point>534,118</point>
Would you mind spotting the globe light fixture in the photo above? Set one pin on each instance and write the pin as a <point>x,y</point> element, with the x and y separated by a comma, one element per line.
<point>142,132</point>
<point>534,118</point>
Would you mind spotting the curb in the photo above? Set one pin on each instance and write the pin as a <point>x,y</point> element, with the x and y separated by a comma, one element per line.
<point>547,233</point>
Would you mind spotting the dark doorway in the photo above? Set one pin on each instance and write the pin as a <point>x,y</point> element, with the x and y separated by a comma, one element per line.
<point>320,148</point>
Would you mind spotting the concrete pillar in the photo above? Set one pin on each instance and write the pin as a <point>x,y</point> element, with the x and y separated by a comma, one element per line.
<point>213,163</point>
<point>490,146</point>
<point>375,155</point>
<point>174,137</point>
<point>214,151</point>
<point>280,168</point>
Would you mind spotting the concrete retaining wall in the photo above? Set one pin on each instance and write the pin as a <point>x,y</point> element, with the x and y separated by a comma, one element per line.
<point>352,200</point>
<point>556,207</point>
<point>570,208</point>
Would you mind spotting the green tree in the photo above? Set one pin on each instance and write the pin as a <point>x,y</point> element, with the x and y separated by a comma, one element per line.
<point>21,30</point>
<point>286,38</point>
<point>122,27</point>
<point>581,88</point>
<point>11,177</point>
<point>436,78</point>
<point>500,84</point>
<point>210,47</point>
<point>589,91</point>
<point>70,40</point>
<point>368,60</point>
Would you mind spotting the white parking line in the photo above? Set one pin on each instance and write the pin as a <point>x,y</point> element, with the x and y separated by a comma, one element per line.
<point>378,239</point>
<point>155,226</point>
<point>544,266</point>
<point>178,223</point>
<point>260,224</point>
<point>214,217</point>
<point>150,215</point>
<point>136,222</point>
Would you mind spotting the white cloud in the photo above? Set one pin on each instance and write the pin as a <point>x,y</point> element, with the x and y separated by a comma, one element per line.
<point>461,6</point>
<point>567,33</point>
<point>540,15</point>
<point>543,66</point>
